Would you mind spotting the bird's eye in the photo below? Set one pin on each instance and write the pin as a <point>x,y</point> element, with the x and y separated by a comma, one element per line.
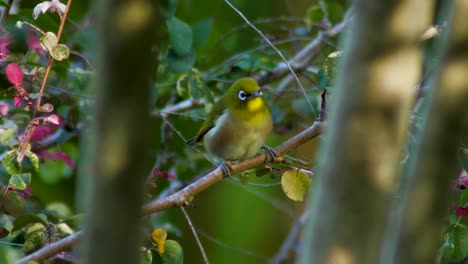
<point>242,95</point>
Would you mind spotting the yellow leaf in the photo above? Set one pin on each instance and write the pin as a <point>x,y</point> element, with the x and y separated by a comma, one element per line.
<point>295,184</point>
<point>159,236</point>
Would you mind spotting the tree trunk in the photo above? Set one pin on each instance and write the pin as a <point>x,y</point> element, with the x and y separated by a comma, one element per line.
<point>125,69</point>
<point>428,184</point>
<point>358,166</point>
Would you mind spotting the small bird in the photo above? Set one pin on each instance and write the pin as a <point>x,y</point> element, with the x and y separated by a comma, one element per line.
<point>237,125</point>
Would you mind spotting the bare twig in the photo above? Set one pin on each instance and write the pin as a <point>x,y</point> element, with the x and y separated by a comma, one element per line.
<point>180,197</point>
<point>194,231</point>
<point>289,241</point>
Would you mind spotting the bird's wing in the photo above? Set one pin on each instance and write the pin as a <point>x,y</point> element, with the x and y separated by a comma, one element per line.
<point>209,123</point>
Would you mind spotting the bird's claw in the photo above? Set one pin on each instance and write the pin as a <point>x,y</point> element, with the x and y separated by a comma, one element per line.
<point>270,155</point>
<point>226,169</point>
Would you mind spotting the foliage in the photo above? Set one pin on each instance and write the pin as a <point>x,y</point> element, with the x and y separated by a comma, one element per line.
<point>46,61</point>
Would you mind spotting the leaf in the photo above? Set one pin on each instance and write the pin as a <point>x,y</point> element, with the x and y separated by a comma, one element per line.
<point>180,36</point>
<point>3,3</point>
<point>46,108</point>
<point>146,256</point>
<point>194,83</point>
<point>6,135</point>
<point>460,242</point>
<point>35,237</point>
<point>10,163</point>
<point>201,32</point>
<point>168,8</point>
<point>174,253</point>
<point>20,181</point>
<point>159,237</point>
<point>178,64</point>
<point>24,220</point>
<point>322,79</point>
<point>182,90</point>
<point>295,184</point>
<point>49,41</point>
<point>14,73</point>
<point>33,158</point>
<point>60,52</point>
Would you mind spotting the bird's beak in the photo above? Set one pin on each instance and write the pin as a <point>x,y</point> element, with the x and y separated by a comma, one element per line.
<point>256,94</point>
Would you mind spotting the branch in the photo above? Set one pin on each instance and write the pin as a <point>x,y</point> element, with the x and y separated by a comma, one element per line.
<point>179,198</point>
<point>300,61</point>
<point>216,175</point>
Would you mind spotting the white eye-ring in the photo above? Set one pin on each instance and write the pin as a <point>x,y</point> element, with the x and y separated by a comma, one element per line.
<point>242,95</point>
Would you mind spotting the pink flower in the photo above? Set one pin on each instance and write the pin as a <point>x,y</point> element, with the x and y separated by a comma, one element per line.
<point>54,6</point>
<point>14,73</point>
<point>54,119</point>
<point>4,109</point>
<point>20,95</point>
<point>4,43</point>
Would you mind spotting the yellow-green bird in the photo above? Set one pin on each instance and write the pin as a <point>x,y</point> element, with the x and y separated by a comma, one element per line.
<point>238,124</point>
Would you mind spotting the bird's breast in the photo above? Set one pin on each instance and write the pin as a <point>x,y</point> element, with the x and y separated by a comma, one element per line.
<point>233,138</point>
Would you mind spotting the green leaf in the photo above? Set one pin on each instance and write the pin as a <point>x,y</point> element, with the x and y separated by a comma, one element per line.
<point>295,184</point>
<point>180,36</point>
<point>168,8</point>
<point>194,83</point>
<point>464,197</point>
<point>208,95</point>
<point>322,79</point>
<point>173,253</point>
<point>182,88</point>
<point>33,158</point>
<point>3,3</point>
<point>49,41</point>
<point>24,220</point>
<point>178,64</point>
<point>60,52</point>
<point>10,162</point>
<point>201,32</point>
<point>35,237</point>
<point>146,256</point>
<point>460,242</point>
<point>6,137</point>
<point>20,181</point>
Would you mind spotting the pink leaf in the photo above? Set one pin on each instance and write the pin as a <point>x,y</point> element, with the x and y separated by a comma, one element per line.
<point>18,100</point>
<point>54,119</point>
<point>462,181</point>
<point>462,211</point>
<point>41,132</point>
<point>14,73</point>
<point>34,44</point>
<point>4,109</point>
<point>59,155</point>
<point>4,43</point>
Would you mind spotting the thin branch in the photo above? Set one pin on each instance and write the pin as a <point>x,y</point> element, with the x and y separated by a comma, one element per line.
<point>194,231</point>
<point>180,197</point>
<point>302,58</point>
<point>277,51</point>
<point>216,175</point>
<point>289,241</point>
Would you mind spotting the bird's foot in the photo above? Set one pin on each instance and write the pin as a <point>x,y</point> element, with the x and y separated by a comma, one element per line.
<point>270,155</point>
<point>226,168</point>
